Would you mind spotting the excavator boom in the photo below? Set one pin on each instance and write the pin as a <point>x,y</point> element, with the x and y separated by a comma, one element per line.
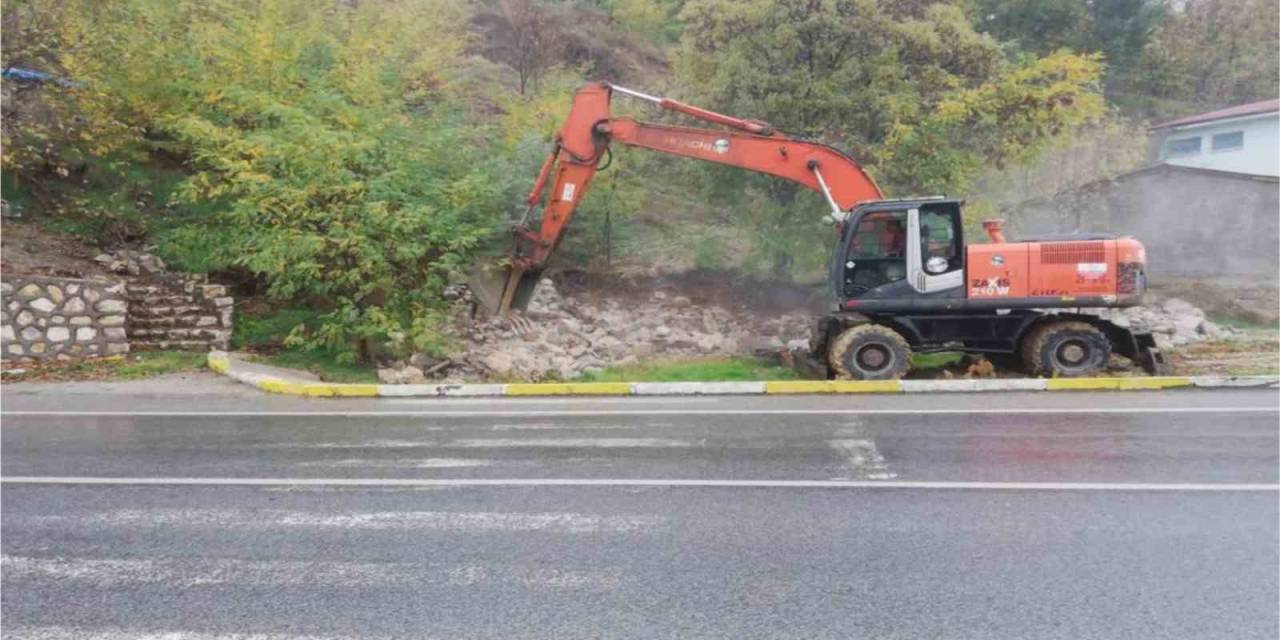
<point>590,129</point>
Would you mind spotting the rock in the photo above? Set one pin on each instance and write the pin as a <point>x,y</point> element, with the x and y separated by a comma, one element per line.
<point>499,362</point>
<point>74,305</point>
<point>55,294</point>
<point>662,332</point>
<point>85,334</point>
<point>111,321</point>
<point>422,361</point>
<point>412,375</point>
<point>388,376</point>
<point>81,320</point>
<point>6,333</point>
<point>58,334</point>
<point>30,291</point>
<point>798,343</point>
<point>24,318</point>
<point>611,347</point>
<point>43,305</point>
<point>681,302</point>
<point>767,345</point>
<point>114,333</point>
<point>32,333</point>
<point>110,306</point>
<point>118,347</point>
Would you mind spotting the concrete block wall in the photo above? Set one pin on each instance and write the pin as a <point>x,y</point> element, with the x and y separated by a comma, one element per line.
<point>179,311</point>
<point>45,318</point>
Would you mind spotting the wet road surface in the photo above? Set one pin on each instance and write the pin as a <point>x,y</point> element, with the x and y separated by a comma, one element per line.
<point>1147,515</point>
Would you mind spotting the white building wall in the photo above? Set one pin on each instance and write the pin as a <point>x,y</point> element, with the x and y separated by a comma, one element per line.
<point>1260,154</point>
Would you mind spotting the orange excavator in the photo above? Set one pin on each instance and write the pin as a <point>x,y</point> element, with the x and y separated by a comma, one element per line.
<point>901,275</point>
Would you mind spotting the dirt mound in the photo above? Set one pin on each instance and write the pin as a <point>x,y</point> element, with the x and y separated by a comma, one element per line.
<point>30,250</point>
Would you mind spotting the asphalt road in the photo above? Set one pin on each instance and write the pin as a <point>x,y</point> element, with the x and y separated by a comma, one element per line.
<point>1051,515</point>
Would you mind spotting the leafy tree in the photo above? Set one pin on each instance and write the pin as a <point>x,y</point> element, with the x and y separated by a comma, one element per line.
<point>342,173</point>
<point>909,87</point>
<point>1208,54</point>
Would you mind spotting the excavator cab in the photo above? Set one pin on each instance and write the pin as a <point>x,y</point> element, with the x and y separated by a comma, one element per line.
<point>900,250</point>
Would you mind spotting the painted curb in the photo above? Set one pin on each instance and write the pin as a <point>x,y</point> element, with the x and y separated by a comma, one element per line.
<point>221,363</point>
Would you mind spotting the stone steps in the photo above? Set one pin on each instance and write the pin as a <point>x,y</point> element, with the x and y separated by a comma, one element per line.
<point>179,334</point>
<point>139,311</point>
<point>147,302</point>
<point>185,321</point>
<point>170,345</point>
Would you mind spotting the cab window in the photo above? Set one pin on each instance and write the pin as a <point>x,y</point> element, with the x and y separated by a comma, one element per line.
<point>882,234</point>
<point>939,238</point>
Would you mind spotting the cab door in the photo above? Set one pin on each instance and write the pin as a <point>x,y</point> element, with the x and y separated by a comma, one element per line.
<point>935,248</point>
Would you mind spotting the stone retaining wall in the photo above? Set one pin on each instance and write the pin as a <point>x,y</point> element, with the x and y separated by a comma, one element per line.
<point>61,318</point>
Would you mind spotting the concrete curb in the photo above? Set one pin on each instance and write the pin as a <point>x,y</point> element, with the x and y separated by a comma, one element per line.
<point>222,363</point>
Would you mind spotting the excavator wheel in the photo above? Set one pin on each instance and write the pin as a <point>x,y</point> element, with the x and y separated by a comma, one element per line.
<point>1066,348</point>
<point>869,352</point>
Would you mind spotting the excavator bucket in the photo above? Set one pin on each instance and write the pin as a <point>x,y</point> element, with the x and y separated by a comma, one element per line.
<point>500,289</point>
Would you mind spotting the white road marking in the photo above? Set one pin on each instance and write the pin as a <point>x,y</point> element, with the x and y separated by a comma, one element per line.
<point>652,412</point>
<point>590,443</point>
<point>451,521</point>
<point>646,482</point>
<point>200,572</point>
<point>864,460</point>
<point>404,463</point>
<point>109,572</point>
<point>29,632</point>
<point>367,444</point>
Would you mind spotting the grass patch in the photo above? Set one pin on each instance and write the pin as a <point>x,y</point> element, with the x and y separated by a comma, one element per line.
<point>939,360</point>
<point>134,366</point>
<point>705,370</point>
<point>322,364</point>
<point>269,329</point>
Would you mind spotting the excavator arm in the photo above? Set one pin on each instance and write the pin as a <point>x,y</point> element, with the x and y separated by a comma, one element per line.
<point>590,129</point>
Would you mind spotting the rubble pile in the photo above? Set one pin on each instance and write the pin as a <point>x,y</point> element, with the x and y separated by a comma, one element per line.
<point>559,338</point>
<point>133,263</point>
<point>1174,322</point>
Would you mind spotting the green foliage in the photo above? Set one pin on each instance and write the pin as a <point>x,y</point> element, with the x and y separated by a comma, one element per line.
<point>270,329</point>
<point>133,366</point>
<point>917,94</point>
<point>1207,54</point>
<point>152,363</point>
<point>322,363</point>
<point>707,370</point>
<point>341,171</point>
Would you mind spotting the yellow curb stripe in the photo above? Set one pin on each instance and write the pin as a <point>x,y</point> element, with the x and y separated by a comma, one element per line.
<point>220,365</point>
<point>1076,384</point>
<point>342,390</point>
<point>569,389</point>
<point>832,386</point>
<point>279,386</point>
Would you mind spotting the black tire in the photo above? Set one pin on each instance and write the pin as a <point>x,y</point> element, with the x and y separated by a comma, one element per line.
<point>869,352</point>
<point>1066,349</point>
